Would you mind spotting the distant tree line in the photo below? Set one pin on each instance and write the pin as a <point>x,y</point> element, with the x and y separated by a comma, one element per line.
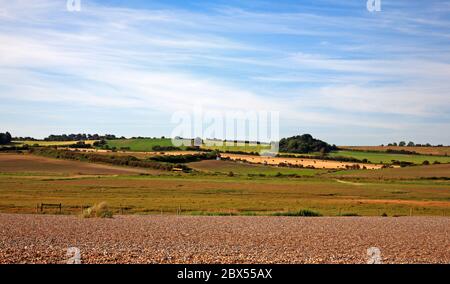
<point>81,137</point>
<point>14,148</point>
<point>24,139</point>
<point>184,158</point>
<point>404,152</point>
<point>305,144</point>
<point>165,148</point>
<point>5,138</point>
<point>411,144</point>
<point>143,137</point>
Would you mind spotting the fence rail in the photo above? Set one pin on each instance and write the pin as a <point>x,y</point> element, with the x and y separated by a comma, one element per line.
<point>41,206</point>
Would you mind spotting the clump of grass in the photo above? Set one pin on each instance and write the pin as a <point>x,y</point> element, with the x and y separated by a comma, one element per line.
<point>210,213</point>
<point>300,213</point>
<point>349,214</point>
<point>100,210</point>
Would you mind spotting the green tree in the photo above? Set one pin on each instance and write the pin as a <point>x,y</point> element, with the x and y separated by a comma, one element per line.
<point>5,138</point>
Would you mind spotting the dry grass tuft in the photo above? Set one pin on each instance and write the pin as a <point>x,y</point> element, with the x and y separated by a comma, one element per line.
<point>100,210</point>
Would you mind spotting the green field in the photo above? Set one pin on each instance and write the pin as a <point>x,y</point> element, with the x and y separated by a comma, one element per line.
<point>139,145</point>
<point>241,147</point>
<point>387,158</point>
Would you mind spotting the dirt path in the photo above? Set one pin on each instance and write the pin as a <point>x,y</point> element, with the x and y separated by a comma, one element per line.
<point>348,182</point>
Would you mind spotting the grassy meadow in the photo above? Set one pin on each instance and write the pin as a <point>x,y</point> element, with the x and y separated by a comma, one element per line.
<point>234,146</point>
<point>139,145</point>
<point>25,182</point>
<point>259,196</point>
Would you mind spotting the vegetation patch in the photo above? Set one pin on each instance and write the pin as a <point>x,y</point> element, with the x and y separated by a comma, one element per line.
<point>139,144</point>
<point>184,158</point>
<point>100,210</point>
<point>300,213</point>
<point>349,214</point>
<point>108,159</point>
<point>305,144</point>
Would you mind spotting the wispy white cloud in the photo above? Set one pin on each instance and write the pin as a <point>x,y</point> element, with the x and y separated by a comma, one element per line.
<point>315,67</point>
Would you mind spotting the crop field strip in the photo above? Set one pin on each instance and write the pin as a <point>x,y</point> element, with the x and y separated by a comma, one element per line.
<point>436,150</point>
<point>241,168</point>
<point>380,157</point>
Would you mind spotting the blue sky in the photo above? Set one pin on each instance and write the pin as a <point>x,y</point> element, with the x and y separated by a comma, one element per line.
<point>330,68</point>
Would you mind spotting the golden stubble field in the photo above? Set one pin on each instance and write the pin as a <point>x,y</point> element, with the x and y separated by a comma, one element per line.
<point>315,163</point>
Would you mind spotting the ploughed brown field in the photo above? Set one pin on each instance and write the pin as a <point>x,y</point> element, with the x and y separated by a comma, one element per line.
<point>188,239</point>
<point>19,163</point>
<point>438,151</point>
<point>416,172</point>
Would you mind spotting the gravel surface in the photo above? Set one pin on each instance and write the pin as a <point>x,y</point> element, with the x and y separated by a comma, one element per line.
<point>189,239</point>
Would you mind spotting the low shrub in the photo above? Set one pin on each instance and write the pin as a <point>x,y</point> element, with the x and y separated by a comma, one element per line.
<point>349,215</point>
<point>184,158</point>
<point>100,210</point>
<point>300,213</point>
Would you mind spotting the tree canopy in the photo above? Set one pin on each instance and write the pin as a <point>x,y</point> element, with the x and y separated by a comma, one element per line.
<point>5,138</point>
<point>305,144</point>
<point>79,137</point>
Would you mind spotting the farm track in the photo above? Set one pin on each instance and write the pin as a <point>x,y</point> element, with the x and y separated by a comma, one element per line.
<point>187,239</point>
